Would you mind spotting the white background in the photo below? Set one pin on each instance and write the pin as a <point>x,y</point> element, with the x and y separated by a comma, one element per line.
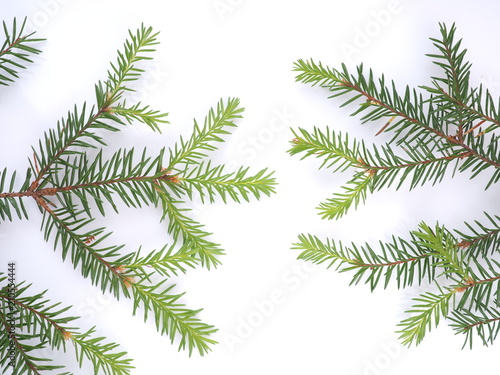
<point>275,315</point>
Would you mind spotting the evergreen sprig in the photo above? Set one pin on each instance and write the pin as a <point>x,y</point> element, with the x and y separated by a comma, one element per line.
<point>446,126</point>
<point>485,323</point>
<point>171,317</point>
<point>103,357</point>
<point>401,260</point>
<point>35,316</point>
<point>15,51</point>
<point>69,178</point>
<point>203,138</point>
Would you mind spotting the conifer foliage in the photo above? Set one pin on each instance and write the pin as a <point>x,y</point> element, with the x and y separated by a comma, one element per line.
<point>447,125</point>
<point>71,181</point>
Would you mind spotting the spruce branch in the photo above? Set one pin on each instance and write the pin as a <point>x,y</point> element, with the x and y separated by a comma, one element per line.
<point>78,129</point>
<point>443,245</point>
<point>376,168</point>
<point>473,107</point>
<point>84,248</point>
<point>446,126</point>
<point>203,138</point>
<point>102,355</point>
<point>214,181</point>
<point>184,228</point>
<point>426,313</point>
<point>482,239</point>
<point>69,177</point>
<point>125,70</point>
<point>10,203</point>
<point>400,260</point>
<point>485,323</point>
<point>16,51</point>
<point>482,287</point>
<point>355,192</point>
<point>138,113</point>
<point>451,61</point>
<point>403,114</point>
<point>171,317</point>
<point>26,362</point>
<point>334,148</point>
<point>35,316</point>
<point>121,176</point>
<point>168,261</point>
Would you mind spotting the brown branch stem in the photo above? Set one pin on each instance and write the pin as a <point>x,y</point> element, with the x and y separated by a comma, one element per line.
<point>36,312</point>
<point>487,321</point>
<point>18,345</point>
<point>38,194</point>
<point>42,172</point>
<point>374,101</point>
<point>13,45</point>
<point>450,157</point>
<point>489,234</point>
<point>373,265</point>
<point>452,139</point>
<point>470,109</point>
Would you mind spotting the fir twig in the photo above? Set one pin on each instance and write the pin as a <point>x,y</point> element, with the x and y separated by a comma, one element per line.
<point>15,51</point>
<point>448,125</point>
<point>69,178</point>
